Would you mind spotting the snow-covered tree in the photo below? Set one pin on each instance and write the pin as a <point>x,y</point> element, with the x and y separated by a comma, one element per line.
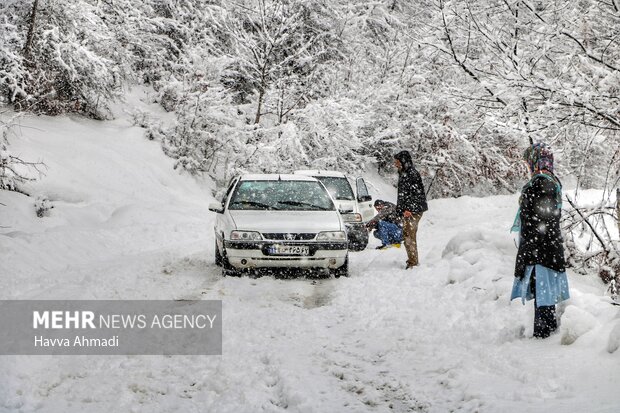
<point>462,84</point>
<point>279,52</point>
<point>64,58</point>
<point>545,71</point>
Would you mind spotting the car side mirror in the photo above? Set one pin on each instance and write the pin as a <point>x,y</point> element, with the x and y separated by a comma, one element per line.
<point>216,207</point>
<point>345,210</point>
<point>364,198</point>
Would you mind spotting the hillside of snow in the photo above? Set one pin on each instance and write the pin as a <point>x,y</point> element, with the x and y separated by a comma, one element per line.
<point>441,337</point>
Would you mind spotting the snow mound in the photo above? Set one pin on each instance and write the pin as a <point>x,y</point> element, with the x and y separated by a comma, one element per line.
<point>474,245</point>
<point>614,338</point>
<point>576,322</point>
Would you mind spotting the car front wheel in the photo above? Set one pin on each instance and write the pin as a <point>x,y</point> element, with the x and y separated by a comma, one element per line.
<point>228,270</point>
<point>218,257</point>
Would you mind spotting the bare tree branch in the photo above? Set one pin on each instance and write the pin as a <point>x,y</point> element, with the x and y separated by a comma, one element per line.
<point>590,55</point>
<point>463,66</point>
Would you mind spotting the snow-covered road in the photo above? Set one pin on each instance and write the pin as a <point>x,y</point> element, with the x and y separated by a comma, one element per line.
<point>441,337</point>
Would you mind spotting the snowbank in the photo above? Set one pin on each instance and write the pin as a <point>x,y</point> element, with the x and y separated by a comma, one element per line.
<point>113,194</point>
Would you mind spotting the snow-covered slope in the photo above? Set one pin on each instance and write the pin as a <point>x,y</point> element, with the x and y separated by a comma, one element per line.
<point>442,337</point>
<point>114,197</point>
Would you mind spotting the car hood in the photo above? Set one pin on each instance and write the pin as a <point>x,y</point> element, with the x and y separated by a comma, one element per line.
<point>287,221</point>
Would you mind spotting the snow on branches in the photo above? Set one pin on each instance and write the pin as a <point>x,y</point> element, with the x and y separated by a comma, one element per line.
<point>62,58</point>
<point>14,170</point>
<point>264,84</point>
<point>592,240</point>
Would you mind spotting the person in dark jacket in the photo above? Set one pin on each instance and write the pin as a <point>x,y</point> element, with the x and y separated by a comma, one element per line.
<point>411,203</point>
<point>387,224</point>
<point>540,267</point>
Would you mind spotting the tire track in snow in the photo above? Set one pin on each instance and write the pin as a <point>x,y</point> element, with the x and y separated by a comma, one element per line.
<point>370,382</point>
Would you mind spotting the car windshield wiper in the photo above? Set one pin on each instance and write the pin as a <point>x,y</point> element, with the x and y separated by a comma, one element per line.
<point>253,203</point>
<point>298,203</point>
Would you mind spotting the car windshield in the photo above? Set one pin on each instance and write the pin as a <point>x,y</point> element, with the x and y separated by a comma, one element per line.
<point>339,188</point>
<point>281,195</point>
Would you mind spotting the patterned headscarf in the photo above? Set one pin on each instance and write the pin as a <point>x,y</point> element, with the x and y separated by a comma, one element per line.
<point>539,157</point>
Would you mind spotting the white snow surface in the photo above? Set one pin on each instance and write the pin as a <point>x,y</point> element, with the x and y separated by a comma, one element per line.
<point>441,337</point>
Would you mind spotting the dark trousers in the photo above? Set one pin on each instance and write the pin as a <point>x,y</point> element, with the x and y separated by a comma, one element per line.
<point>388,233</point>
<point>545,322</point>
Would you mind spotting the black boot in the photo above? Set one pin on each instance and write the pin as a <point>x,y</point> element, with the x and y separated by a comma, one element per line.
<point>545,322</point>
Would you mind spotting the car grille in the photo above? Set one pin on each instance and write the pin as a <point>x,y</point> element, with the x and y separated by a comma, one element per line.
<point>290,236</point>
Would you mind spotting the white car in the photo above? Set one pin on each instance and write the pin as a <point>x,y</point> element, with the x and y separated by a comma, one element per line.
<point>272,220</point>
<point>356,205</point>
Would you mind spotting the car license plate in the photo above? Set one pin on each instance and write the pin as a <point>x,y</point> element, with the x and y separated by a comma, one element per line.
<point>289,250</point>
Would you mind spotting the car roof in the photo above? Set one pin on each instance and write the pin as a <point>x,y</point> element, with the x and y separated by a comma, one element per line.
<point>275,177</point>
<point>318,172</point>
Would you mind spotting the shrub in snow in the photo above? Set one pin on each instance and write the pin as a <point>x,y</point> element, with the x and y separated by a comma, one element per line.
<point>141,118</point>
<point>613,289</point>
<point>7,175</point>
<point>204,137</point>
<point>210,137</point>
<point>592,242</point>
<point>64,58</point>
<point>14,170</point>
<point>42,206</point>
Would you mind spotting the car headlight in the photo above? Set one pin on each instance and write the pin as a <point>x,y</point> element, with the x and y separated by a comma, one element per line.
<point>245,236</point>
<point>332,236</point>
<point>352,217</point>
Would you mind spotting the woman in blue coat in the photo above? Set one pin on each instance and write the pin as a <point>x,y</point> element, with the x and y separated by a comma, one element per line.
<point>540,267</point>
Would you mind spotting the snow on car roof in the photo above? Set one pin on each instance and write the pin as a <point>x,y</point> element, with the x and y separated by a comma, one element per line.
<point>318,172</point>
<point>276,177</point>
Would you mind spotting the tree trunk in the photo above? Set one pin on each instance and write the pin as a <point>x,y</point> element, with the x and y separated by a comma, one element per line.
<point>31,27</point>
<point>618,207</point>
<point>263,90</point>
<point>261,94</point>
